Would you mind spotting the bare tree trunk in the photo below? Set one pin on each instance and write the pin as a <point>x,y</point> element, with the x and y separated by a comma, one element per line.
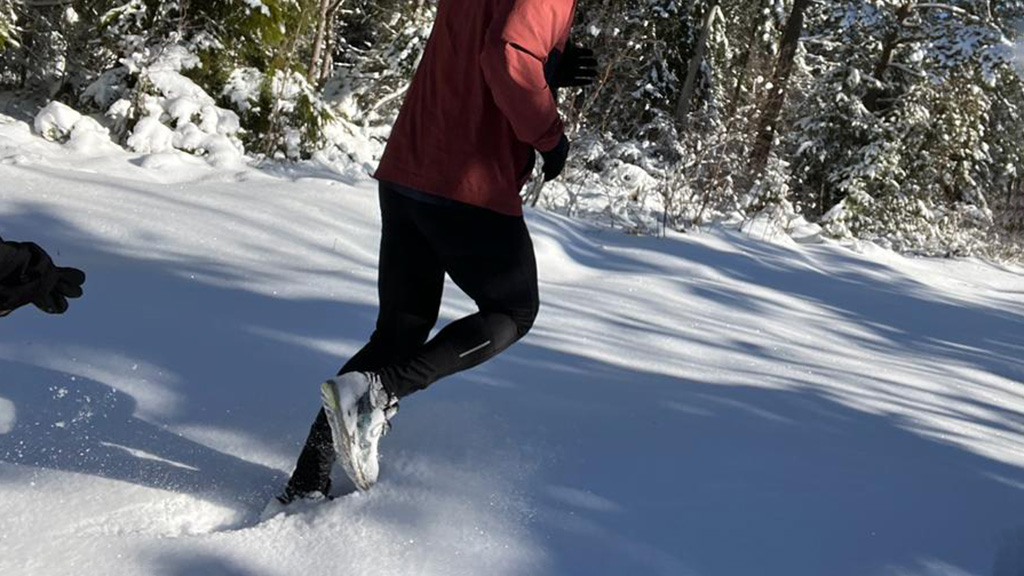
<point>327,62</point>
<point>690,86</point>
<point>322,60</point>
<point>28,40</point>
<point>741,77</point>
<point>892,40</point>
<point>313,71</point>
<point>777,94</point>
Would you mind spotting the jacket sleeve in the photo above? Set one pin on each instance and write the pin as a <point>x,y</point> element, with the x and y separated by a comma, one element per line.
<point>516,47</point>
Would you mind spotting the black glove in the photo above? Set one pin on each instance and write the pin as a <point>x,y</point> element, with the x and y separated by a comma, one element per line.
<point>29,272</point>
<point>575,67</point>
<point>30,277</point>
<point>554,159</point>
<point>68,285</point>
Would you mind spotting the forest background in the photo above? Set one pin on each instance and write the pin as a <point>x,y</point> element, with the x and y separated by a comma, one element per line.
<point>892,121</point>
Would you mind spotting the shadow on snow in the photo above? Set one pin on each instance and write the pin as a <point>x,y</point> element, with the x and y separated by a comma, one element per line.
<point>638,472</point>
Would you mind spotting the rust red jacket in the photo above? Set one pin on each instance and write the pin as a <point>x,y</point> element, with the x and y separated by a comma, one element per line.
<point>479,104</point>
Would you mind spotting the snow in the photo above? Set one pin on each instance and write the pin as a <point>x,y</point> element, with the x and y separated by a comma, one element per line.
<point>243,87</point>
<point>174,112</point>
<point>708,404</point>
<point>150,135</point>
<point>8,416</point>
<point>55,121</point>
<point>257,6</point>
<point>1018,57</point>
<point>82,134</point>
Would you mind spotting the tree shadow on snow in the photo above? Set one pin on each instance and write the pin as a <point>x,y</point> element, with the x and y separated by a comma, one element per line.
<point>656,474</point>
<point>651,474</point>
<point>639,471</point>
<point>900,312</point>
<point>220,359</point>
<point>195,564</point>
<point>75,424</point>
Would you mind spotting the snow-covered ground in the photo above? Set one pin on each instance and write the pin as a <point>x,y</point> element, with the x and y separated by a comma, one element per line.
<point>710,404</point>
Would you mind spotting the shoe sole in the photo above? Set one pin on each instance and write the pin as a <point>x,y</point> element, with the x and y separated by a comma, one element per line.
<point>341,437</point>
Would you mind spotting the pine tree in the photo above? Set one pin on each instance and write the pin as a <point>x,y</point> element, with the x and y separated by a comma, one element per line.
<point>378,45</point>
<point>8,24</point>
<point>894,120</point>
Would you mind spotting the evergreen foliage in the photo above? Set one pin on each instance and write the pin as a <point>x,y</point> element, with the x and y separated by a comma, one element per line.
<point>8,24</point>
<point>900,121</point>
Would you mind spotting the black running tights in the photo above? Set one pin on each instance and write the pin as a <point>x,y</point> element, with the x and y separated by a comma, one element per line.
<point>488,255</point>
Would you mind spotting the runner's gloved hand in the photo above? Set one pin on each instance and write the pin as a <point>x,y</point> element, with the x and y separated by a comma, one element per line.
<point>575,67</point>
<point>68,285</point>
<point>29,277</point>
<point>554,159</point>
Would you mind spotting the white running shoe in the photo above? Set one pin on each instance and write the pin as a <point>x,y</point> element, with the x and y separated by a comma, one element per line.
<point>358,409</point>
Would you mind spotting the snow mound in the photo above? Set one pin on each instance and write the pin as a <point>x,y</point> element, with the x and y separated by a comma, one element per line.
<point>59,122</point>
<point>767,227</point>
<point>55,121</point>
<point>805,232</point>
<point>173,112</point>
<point>150,135</point>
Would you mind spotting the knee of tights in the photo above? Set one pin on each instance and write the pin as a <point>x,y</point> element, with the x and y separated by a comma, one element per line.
<point>524,321</point>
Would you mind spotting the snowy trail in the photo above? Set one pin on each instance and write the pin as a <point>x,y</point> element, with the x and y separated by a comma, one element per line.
<point>695,405</point>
